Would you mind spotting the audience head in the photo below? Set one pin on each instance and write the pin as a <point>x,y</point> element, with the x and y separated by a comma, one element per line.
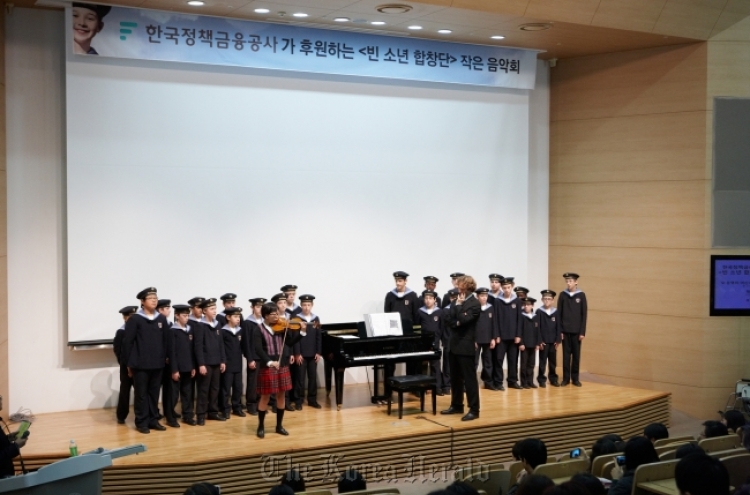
<point>293,479</point>
<point>713,429</point>
<point>203,488</point>
<point>638,451</point>
<point>734,419</point>
<point>687,449</point>
<point>461,488</point>
<point>567,488</point>
<point>351,481</point>
<point>612,437</point>
<point>701,474</point>
<point>591,482</point>
<point>534,484</point>
<point>532,453</point>
<point>281,490</point>
<point>516,450</point>
<point>603,447</point>
<point>655,431</point>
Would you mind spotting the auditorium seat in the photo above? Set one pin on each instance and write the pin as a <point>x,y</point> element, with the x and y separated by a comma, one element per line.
<point>499,481</point>
<point>667,441</point>
<point>597,466</point>
<point>738,467</point>
<point>668,455</point>
<point>726,442</point>
<point>315,492</point>
<point>374,491</point>
<point>672,446</point>
<point>560,472</point>
<point>651,478</point>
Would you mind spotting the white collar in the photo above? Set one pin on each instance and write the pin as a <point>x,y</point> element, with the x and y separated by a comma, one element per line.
<point>177,325</point>
<point>427,310</point>
<point>269,329</point>
<point>486,307</point>
<point>122,327</point>
<point>253,318</point>
<point>551,310</point>
<point>530,316</point>
<point>308,319</point>
<point>401,294</point>
<point>191,317</point>
<point>234,330</point>
<point>142,313</point>
<point>212,323</point>
<point>496,296</point>
<point>572,293</point>
<point>513,298</point>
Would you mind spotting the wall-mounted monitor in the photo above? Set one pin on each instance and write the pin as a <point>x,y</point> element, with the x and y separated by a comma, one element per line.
<point>730,285</point>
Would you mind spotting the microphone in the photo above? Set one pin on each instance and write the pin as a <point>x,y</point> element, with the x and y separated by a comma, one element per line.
<point>20,457</point>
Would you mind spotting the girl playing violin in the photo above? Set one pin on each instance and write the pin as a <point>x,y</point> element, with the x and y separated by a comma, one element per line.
<point>273,343</point>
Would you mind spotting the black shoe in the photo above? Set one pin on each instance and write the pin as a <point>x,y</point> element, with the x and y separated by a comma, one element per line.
<point>501,388</point>
<point>447,391</point>
<point>439,392</point>
<point>158,427</point>
<point>525,386</point>
<point>470,416</point>
<point>531,385</point>
<point>290,407</point>
<point>515,385</point>
<point>281,431</point>
<point>542,385</point>
<point>143,430</point>
<point>160,416</point>
<point>554,384</point>
<point>190,422</point>
<point>239,412</point>
<point>261,432</point>
<point>253,410</point>
<point>565,383</point>
<point>274,409</point>
<point>201,422</point>
<point>178,416</point>
<point>173,424</point>
<point>315,405</point>
<point>298,405</point>
<point>453,410</point>
<point>489,386</point>
<point>217,417</point>
<point>120,421</point>
<point>577,384</point>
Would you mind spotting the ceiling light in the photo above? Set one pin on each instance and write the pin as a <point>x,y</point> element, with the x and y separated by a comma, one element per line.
<point>196,3</point>
<point>445,31</point>
<point>535,26</point>
<point>262,11</point>
<point>393,8</point>
<point>497,37</point>
<point>415,28</point>
<point>341,19</point>
<point>299,14</point>
<point>377,23</point>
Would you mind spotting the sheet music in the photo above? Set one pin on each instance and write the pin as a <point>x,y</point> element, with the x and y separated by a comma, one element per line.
<point>383,324</point>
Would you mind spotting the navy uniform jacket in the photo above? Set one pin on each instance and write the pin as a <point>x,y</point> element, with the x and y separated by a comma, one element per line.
<point>531,336</point>
<point>297,309</point>
<point>259,343</point>
<point>572,309</point>
<point>407,305</point>
<point>144,345</point>
<point>209,345</point>
<point>446,301</point>
<point>462,320</point>
<point>117,344</point>
<point>312,343</point>
<point>249,327</point>
<point>487,329</point>
<point>432,322</point>
<point>232,348</point>
<point>183,357</point>
<point>508,316</point>
<point>549,325</point>
<point>491,297</point>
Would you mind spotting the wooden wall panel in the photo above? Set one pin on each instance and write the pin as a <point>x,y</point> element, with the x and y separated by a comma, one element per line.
<point>636,15</point>
<point>666,146</point>
<point>628,214</point>
<point>651,81</point>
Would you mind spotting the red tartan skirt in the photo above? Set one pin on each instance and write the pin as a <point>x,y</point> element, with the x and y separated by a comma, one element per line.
<point>272,380</point>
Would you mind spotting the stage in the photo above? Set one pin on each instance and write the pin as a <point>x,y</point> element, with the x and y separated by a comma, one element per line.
<point>324,442</point>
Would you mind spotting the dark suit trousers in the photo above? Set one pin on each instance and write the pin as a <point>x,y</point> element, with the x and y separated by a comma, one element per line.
<point>510,349</point>
<point>309,370</point>
<point>231,388</point>
<point>528,360</point>
<point>168,401</point>
<point>488,359</point>
<point>464,377</point>
<point>251,388</point>
<point>186,392</point>
<point>291,395</point>
<point>208,391</point>
<point>547,355</point>
<point>123,401</point>
<point>146,384</point>
<point>571,356</point>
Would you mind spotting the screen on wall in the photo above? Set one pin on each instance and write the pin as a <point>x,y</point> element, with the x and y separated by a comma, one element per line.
<point>730,285</point>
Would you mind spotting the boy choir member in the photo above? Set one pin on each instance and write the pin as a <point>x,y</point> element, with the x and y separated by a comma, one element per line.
<point>144,350</point>
<point>210,358</point>
<point>182,363</point>
<point>431,319</point>
<point>446,298</point>
<point>311,350</point>
<point>549,326</point>
<point>508,313</point>
<point>531,339</point>
<point>126,381</point>
<point>486,337</point>
<point>164,307</point>
<point>251,325</point>
<point>573,310</point>
<point>196,312</point>
<point>275,351</point>
<point>230,398</point>
<point>228,300</point>
<point>290,292</point>
<point>430,283</point>
<point>404,301</point>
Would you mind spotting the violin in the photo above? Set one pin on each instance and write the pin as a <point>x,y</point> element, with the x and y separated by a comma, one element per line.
<point>294,324</point>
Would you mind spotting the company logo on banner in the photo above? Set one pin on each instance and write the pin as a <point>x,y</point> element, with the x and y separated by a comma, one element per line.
<point>141,34</point>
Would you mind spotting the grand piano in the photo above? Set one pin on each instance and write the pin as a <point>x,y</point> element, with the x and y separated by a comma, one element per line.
<point>347,345</point>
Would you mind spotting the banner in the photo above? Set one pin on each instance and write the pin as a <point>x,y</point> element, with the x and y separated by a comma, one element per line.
<point>141,34</point>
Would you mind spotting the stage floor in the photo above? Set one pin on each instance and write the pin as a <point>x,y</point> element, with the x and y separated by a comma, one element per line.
<point>361,433</point>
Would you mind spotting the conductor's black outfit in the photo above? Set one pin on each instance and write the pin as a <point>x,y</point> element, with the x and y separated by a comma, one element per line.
<point>126,381</point>
<point>462,319</point>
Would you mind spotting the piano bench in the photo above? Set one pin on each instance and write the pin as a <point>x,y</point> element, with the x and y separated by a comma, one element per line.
<point>413,383</point>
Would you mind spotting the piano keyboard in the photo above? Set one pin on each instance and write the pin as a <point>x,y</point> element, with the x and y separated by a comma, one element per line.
<point>393,356</point>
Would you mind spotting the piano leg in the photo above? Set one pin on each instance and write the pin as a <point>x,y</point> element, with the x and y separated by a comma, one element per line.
<point>339,387</point>
<point>328,371</point>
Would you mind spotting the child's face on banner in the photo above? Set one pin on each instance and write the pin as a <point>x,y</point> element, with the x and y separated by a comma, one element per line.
<point>85,25</point>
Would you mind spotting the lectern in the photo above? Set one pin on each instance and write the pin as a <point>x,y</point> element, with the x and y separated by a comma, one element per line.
<point>81,475</point>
